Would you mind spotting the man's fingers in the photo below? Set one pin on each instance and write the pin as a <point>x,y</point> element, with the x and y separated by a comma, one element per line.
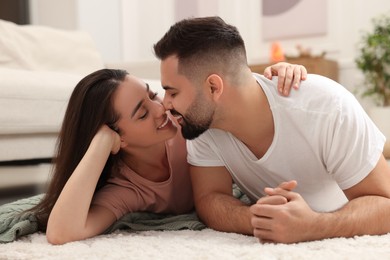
<point>264,236</point>
<point>263,211</point>
<point>289,195</point>
<point>262,228</point>
<point>288,185</point>
<point>261,222</point>
<point>272,200</point>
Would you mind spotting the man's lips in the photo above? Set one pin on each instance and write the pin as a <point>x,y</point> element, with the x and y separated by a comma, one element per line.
<point>179,118</point>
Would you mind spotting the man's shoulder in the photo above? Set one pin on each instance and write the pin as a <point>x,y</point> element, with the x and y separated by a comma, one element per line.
<point>317,88</point>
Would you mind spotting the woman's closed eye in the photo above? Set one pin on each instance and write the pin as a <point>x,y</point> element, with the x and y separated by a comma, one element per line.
<point>153,95</point>
<point>144,114</point>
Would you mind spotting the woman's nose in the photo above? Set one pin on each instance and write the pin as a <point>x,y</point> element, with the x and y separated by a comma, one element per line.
<point>159,109</point>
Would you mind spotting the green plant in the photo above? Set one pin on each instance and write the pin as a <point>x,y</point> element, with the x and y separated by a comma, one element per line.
<point>374,60</point>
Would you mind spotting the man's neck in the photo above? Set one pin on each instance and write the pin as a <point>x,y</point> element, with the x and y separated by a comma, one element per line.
<point>247,115</point>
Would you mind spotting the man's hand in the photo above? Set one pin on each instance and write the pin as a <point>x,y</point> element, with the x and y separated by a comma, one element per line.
<point>278,199</point>
<point>282,216</point>
<point>289,75</point>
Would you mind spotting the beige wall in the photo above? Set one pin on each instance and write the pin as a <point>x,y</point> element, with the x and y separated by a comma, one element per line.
<point>133,26</point>
<point>57,13</point>
<point>125,30</point>
<point>101,18</point>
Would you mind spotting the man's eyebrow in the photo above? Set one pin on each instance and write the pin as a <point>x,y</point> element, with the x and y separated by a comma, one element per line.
<point>140,103</point>
<point>167,88</point>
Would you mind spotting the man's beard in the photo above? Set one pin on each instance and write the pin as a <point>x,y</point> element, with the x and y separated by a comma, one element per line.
<point>192,130</point>
<point>197,120</point>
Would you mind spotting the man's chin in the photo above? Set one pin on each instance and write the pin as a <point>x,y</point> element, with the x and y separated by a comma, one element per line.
<point>190,135</point>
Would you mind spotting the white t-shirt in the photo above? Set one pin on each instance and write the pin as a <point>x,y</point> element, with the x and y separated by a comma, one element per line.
<point>323,139</point>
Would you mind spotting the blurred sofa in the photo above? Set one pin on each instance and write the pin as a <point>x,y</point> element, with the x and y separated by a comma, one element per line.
<point>39,67</point>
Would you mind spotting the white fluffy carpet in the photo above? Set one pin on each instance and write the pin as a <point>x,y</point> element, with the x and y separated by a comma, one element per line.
<point>205,244</point>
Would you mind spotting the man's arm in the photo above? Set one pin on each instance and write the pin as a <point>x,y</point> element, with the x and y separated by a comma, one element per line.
<point>365,214</point>
<point>215,204</point>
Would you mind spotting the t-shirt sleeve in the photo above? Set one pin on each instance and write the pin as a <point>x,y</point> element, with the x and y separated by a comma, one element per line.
<point>119,200</point>
<point>354,144</point>
<point>202,152</point>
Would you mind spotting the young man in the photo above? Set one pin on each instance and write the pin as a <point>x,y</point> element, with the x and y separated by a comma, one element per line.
<point>316,155</point>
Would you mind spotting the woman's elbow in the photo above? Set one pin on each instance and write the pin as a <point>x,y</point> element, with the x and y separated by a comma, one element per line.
<point>59,237</point>
<point>56,238</point>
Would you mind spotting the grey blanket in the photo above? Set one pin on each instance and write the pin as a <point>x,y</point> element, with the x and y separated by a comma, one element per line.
<point>14,225</point>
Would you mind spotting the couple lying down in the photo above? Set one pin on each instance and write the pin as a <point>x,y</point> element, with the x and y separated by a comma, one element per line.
<point>121,149</point>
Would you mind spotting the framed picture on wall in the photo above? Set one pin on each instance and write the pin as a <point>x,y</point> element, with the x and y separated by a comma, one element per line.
<point>293,18</point>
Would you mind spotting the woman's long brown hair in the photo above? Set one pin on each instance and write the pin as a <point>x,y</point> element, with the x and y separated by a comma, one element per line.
<point>90,106</point>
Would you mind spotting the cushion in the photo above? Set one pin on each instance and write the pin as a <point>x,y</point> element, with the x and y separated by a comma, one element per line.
<point>34,101</point>
<point>33,47</point>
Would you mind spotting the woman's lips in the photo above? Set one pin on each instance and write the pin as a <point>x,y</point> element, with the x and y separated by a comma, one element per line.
<point>164,123</point>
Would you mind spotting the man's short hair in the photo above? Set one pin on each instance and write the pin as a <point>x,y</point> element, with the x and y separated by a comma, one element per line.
<point>203,45</point>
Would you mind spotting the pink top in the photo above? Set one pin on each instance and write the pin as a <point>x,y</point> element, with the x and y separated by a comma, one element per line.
<point>126,191</point>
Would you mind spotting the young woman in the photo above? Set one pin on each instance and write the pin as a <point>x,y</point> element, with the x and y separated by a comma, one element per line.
<point>118,151</point>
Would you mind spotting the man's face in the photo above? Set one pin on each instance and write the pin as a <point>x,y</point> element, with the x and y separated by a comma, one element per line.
<point>187,102</point>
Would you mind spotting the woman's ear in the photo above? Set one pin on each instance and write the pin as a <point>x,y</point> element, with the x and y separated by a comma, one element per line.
<point>215,85</point>
<point>123,143</point>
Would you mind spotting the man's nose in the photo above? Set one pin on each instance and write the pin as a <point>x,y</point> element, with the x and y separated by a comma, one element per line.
<point>167,102</point>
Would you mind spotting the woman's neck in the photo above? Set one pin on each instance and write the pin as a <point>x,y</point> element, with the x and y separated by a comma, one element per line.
<point>150,163</point>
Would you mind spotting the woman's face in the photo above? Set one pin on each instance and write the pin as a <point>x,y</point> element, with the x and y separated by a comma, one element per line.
<point>143,121</point>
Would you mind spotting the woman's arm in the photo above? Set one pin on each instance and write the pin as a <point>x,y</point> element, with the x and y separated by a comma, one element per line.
<point>72,218</point>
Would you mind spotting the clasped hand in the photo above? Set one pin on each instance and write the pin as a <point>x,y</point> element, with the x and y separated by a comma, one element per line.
<point>282,216</point>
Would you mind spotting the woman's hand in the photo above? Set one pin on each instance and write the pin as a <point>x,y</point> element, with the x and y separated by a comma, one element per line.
<point>289,75</point>
<point>105,133</point>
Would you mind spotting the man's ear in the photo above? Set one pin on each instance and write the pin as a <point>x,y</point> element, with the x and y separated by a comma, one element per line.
<point>215,85</point>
